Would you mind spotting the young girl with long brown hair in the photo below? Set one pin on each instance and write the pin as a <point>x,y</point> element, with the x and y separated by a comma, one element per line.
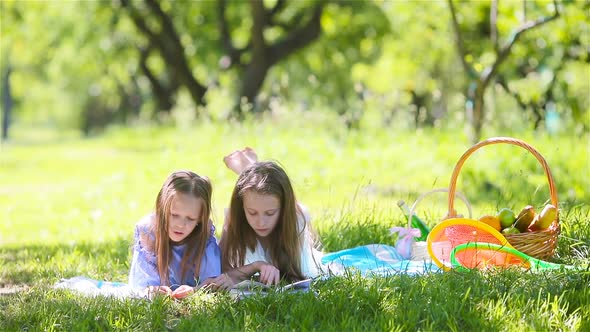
<point>175,247</point>
<point>266,230</point>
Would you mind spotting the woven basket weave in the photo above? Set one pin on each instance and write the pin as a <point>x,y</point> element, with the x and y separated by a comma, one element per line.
<point>539,244</point>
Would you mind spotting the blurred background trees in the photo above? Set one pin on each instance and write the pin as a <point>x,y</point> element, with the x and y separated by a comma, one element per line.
<point>85,65</point>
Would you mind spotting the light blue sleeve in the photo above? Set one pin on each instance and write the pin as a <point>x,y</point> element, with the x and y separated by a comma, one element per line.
<point>211,261</point>
<point>143,271</point>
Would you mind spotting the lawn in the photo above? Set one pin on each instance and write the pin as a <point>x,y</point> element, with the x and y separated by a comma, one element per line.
<point>68,207</point>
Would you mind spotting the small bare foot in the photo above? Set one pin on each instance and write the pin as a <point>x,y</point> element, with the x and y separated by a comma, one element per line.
<point>239,160</point>
<point>250,154</point>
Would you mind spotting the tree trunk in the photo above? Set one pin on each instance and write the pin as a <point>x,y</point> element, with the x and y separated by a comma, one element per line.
<point>253,79</point>
<point>257,68</point>
<point>7,103</point>
<point>265,55</point>
<point>478,112</point>
<point>167,42</point>
<point>164,95</point>
<point>173,53</point>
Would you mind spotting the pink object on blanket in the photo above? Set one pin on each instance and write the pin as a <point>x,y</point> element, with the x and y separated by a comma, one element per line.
<point>405,240</point>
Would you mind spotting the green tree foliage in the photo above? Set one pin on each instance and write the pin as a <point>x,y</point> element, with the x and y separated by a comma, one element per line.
<point>415,76</point>
<point>70,68</point>
<point>161,34</point>
<point>87,64</point>
<point>547,69</point>
<point>324,74</point>
<point>277,30</point>
<point>481,68</point>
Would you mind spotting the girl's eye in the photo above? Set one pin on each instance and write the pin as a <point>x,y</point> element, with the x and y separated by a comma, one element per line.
<point>174,215</point>
<point>252,213</point>
<point>270,214</point>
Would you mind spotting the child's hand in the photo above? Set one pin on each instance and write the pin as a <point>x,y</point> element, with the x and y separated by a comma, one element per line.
<point>269,274</point>
<point>182,292</point>
<point>222,282</point>
<point>165,290</point>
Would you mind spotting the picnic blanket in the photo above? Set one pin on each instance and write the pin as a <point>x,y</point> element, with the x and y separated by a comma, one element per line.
<point>370,260</point>
<point>374,259</point>
<point>91,287</point>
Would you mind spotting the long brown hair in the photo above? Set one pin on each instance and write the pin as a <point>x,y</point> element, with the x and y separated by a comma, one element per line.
<point>265,178</point>
<point>187,183</point>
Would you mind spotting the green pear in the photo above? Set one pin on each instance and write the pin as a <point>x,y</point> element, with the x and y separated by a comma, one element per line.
<point>506,217</point>
<point>510,230</point>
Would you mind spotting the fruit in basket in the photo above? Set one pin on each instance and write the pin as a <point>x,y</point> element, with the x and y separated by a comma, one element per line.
<point>525,218</point>
<point>506,217</point>
<point>510,230</point>
<point>492,221</point>
<point>544,219</point>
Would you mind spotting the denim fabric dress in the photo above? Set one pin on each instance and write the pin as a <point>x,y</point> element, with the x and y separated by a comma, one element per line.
<point>144,270</point>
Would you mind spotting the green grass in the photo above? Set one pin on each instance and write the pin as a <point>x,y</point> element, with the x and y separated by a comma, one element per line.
<point>68,207</point>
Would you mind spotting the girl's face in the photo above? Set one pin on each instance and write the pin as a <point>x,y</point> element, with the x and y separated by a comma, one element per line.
<point>262,212</point>
<point>185,212</point>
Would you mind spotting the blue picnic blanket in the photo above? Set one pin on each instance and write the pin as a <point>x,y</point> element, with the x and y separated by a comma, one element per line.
<point>374,259</point>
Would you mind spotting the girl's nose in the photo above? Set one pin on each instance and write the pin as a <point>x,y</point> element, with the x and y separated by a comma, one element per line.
<point>260,221</point>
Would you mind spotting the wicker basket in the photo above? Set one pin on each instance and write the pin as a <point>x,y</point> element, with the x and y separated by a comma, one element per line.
<point>539,244</point>
<point>419,248</point>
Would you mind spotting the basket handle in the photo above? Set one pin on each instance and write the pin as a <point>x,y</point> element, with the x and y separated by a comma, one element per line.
<point>498,140</point>
<point>439,190</point>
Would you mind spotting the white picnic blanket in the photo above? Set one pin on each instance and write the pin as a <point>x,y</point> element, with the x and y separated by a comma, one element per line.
<point>93,287</point>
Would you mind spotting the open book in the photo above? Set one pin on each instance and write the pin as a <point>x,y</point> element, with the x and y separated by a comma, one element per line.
<point>249,287</point>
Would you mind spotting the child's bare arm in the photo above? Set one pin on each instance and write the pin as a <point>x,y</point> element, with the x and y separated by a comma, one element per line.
<point>231,277</point>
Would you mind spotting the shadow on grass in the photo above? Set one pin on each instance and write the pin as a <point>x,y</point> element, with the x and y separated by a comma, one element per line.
<point>40,264</point>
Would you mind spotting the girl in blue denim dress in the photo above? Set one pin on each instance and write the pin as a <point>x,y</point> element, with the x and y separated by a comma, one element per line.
<point>175,248</point>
